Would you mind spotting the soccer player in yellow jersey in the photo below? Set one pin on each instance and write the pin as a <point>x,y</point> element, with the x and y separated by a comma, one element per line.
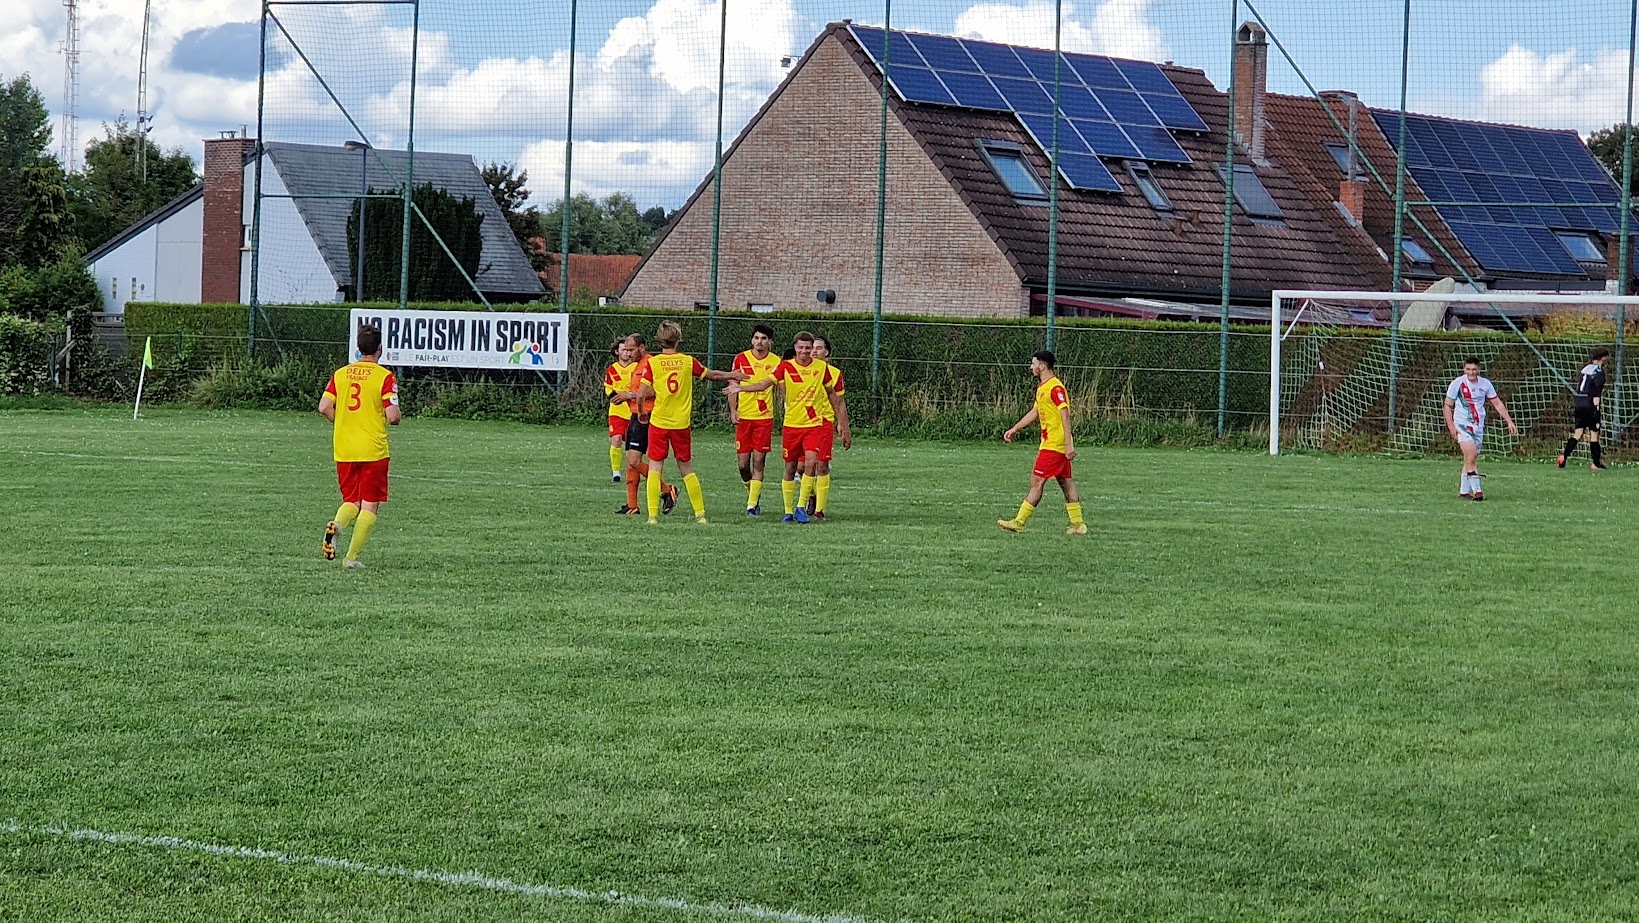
<point>822,474</point>
<point>753,415</point>
<point>1058,447</point>
<point>361,400</point>
<point>668,378</point>
<point>617,378</point>
<point>808,384</point>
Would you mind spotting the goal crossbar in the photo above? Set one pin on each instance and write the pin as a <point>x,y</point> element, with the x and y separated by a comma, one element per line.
<point>1279,329</point>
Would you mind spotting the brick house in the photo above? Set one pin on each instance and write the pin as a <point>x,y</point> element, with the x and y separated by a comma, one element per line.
<point>799,210</point>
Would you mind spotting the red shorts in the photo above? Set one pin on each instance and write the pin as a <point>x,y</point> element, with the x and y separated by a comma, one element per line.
<point>362,482</point>
<point>1051,464</point>
<point>753,436</point>
<point>798,441</point>
<point>828,440</point>
<point>663,442</point>
<point>617,426</point>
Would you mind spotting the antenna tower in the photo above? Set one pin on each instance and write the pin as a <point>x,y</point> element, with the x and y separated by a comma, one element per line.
<point>71,87</point>
<point>143,121</point>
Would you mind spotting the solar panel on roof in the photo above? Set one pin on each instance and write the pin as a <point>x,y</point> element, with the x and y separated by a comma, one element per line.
<point>1133,102</point>
<point>1041,128</point>
<point>973,91</point>
<point>918,85</point>
<point>1500,167</point>
<point>1084,171</point>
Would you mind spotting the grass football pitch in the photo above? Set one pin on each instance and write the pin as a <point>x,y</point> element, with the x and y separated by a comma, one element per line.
<point>1304,688</point>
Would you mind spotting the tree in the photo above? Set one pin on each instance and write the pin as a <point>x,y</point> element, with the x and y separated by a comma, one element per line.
<point>45,232</point>
<point>432,277</point>
<point>111,194</point>
<point>510,194</point>
<point>1606,145</point>
<point>613,225</point>
<point>25,134</point>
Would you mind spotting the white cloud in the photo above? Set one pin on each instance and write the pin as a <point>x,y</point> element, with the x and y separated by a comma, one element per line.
<point>1120,28</point>
<point>1556,90</point>
<point>652,172</point>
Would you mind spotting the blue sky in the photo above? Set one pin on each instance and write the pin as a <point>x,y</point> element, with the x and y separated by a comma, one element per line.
<point>493,74</point>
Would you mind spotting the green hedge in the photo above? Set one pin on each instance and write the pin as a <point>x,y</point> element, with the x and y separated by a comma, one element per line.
<point>26,348</point>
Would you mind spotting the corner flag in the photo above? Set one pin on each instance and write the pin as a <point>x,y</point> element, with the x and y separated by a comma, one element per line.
<point>142,376</point>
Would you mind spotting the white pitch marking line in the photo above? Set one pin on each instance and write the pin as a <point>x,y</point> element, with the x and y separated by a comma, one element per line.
<point>449,879</point>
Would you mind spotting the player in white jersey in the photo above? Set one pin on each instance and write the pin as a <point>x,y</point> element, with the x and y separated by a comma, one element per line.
<point>1466,399</point>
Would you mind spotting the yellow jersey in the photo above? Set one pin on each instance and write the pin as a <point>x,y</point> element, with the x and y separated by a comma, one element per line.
<point>1050,399</point>
<point>672,376</point>
<point>827,412</point>
<point>756,405</point>
<point>363,391</point>
<point>805,390</point>
<point>620,378</point>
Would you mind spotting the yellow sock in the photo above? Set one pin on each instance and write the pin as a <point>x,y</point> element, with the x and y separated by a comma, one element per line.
<point>346,514</point>
<point>651,486</point>
<point>361,534</point>
<point>789,489</point>
<point>1075,513</point>
<point>754,492</point>
<point>807,490</point>
<point>1026,510</point>
<point>696,498</point>
<point>822,491</point>
<point>615,458</point>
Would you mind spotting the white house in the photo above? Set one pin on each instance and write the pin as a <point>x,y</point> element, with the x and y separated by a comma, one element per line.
<point>196,249</point>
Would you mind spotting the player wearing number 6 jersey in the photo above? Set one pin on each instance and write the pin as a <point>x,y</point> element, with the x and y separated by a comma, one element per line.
<point>669,379</point>
<point>1467,397</point>
<point>361,400</point>
<point>1058,448</point>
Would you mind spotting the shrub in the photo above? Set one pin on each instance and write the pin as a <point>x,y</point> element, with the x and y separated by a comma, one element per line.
<point>26,351</point>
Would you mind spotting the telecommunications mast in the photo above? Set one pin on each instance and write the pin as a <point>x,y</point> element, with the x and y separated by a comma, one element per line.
<point>71,86</point>
<point>142,95</point>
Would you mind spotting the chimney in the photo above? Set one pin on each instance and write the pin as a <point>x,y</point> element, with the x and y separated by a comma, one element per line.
<point>1251,87</point>
<point>1351,192</point>
<point>221,260</point>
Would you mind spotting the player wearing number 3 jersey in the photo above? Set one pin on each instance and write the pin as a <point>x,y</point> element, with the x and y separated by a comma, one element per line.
<point>361,400</point>
<point>669,379</point>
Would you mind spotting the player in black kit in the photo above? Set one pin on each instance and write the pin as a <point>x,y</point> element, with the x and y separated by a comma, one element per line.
<point>1589,391</point>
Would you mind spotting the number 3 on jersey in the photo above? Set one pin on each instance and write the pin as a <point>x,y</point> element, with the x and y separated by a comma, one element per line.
<point>355,396</point>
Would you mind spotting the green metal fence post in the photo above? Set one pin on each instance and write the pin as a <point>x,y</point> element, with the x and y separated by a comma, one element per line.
<point>881,217</point>
<point>1625,238</point>
<point>564,211</point>
<point>717,192</point>
<point>1224,278</point>
<point>1053,177</point>
<point>409,164</point>
<point>1399,220</point>
<point>256,203</point>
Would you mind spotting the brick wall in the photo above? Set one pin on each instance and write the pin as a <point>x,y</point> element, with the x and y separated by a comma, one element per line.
<point>1251,88</point>
<point>224,219</point>
<point>799,216</point>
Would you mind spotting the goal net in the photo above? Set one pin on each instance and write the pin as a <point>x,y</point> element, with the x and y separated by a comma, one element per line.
<point>1341,378</point>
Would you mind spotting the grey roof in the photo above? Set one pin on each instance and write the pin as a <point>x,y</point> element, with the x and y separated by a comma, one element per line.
<point>147,221</point>
<point>317,170</point>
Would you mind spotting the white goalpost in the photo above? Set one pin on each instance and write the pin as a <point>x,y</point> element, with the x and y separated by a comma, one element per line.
<point>1333,383</point>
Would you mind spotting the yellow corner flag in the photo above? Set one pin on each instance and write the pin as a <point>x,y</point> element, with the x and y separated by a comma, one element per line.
<point>148,353</point>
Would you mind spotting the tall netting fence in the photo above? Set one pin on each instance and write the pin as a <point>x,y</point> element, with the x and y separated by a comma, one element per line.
<point>711,159</point>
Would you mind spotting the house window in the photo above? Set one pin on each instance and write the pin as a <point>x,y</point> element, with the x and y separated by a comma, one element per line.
<point>1250,193</point>
<point>1144,178</point>
<point>1582,247</point>
<point>1340,156</point>
<point>1015,172</point>
<point>1414,251</point>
